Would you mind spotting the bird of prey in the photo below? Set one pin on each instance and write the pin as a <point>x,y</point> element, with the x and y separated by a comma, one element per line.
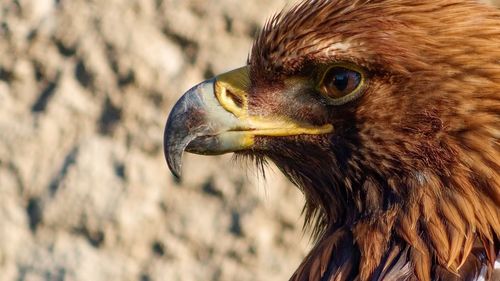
<point>386,115</point>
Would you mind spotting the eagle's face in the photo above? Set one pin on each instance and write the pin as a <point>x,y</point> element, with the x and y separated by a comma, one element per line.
<point>335,91</point>
<point>382,110</point>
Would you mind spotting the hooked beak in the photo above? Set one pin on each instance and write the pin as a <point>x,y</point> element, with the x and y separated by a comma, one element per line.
<point>212,118</point>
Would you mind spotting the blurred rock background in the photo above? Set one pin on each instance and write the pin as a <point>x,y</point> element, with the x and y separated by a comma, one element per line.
<point>85,89</point>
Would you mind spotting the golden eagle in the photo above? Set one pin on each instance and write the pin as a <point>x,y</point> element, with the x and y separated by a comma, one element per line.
<point>386,115</point>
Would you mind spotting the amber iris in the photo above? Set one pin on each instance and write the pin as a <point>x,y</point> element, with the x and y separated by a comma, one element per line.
<point>339,82</point>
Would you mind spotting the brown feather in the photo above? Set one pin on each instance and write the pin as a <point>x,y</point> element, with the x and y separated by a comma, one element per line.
<point>410,181</point>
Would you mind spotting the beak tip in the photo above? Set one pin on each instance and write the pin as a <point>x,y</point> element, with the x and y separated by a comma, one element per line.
<point>173,157</point>
<point>173,150</point>
<point>175,169</point>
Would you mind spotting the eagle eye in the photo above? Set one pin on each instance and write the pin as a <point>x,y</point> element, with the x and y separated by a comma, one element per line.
<point>341,84</point>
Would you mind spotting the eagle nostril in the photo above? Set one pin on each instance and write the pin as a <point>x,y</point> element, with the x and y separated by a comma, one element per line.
<point>238,100</point>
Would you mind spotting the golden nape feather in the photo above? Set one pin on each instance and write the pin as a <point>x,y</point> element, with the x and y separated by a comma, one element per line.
<point>386,115</point>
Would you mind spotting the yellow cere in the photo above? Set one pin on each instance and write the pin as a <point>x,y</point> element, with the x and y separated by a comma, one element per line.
<point>233,85</point>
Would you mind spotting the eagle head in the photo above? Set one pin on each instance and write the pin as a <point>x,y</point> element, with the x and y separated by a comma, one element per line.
<point>386,114</point>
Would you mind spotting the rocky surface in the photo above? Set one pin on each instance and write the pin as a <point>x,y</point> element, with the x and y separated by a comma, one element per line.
<point>85,88</point>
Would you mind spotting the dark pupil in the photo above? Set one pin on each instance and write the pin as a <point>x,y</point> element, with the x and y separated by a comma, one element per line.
<point>341,81</point>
